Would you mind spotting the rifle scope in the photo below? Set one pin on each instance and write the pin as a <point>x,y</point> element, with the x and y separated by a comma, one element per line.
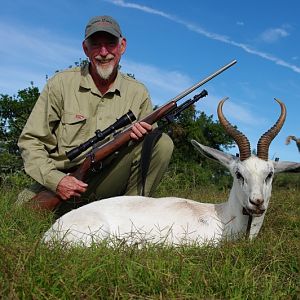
<point>126,119</point>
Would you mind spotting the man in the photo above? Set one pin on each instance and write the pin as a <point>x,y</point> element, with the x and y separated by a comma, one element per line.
<point>72,106</point>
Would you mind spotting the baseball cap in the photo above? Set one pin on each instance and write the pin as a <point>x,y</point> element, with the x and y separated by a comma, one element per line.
<point>103,23</point>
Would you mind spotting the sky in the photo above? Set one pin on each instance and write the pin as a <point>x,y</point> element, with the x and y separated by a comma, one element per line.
<point>172,45</point>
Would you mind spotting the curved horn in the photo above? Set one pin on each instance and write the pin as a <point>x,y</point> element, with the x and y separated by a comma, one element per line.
<point>266,139</point>
<point>239,138</point>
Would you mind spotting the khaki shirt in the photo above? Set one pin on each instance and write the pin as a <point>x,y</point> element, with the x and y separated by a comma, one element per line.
<point>68,112</point>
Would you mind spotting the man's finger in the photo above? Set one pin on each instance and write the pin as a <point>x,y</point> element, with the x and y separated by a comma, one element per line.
<point>146,126</point>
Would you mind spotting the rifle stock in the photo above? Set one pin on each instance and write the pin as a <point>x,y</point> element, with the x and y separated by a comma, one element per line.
<point>48,200</point>
<point>45,200</point>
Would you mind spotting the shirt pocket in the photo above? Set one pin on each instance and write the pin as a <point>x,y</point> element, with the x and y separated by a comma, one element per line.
<point>74,129</point>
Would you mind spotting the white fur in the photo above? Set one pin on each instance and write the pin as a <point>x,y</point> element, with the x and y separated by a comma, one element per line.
<point>171,220</point>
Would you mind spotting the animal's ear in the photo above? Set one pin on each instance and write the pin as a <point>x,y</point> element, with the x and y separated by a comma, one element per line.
<point>286,166</point>
<point>222,157</point>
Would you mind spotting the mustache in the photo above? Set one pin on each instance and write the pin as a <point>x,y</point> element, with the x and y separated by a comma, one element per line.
<point>106,59</point>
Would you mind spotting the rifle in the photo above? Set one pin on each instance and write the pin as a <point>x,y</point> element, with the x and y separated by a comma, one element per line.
<point>48,200</point>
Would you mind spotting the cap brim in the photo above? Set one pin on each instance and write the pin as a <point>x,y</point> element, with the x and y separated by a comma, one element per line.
<point>109,30</point>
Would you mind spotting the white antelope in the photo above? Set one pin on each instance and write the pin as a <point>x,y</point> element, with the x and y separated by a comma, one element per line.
<point>175,221</point>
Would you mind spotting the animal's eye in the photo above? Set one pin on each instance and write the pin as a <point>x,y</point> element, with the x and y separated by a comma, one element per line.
<point>270,175</point>
<point>239,176</point>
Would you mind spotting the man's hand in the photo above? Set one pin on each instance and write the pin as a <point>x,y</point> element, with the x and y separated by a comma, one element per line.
<point>69,186</point>
<point>140,129</point>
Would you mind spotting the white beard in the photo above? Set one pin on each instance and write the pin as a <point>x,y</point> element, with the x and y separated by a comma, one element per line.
<point>104,73</point>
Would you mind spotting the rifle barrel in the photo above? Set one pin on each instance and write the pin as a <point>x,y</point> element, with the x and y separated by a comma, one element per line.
<point>198,84</point>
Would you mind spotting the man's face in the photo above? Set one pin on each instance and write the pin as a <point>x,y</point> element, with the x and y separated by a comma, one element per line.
<point>104,51</point>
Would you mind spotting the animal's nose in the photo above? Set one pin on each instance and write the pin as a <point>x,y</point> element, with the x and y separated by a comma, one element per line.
<point>257,202</point>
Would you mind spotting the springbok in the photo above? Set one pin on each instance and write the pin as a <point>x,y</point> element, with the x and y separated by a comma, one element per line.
<point>175,221</point>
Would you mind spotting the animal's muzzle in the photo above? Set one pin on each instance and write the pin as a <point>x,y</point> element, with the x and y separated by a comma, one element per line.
<point>258,202</point>
<point>256,207</point>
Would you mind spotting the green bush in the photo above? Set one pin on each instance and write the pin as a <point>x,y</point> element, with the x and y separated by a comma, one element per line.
<point>287,180</point>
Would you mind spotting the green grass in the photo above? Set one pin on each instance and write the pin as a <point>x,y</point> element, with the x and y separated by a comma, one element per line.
<point>266,268</point>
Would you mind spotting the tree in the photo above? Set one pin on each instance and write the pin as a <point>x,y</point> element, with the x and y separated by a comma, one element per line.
<point>192,124</point>
<point>187,162</point>
<point>14,111</point>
